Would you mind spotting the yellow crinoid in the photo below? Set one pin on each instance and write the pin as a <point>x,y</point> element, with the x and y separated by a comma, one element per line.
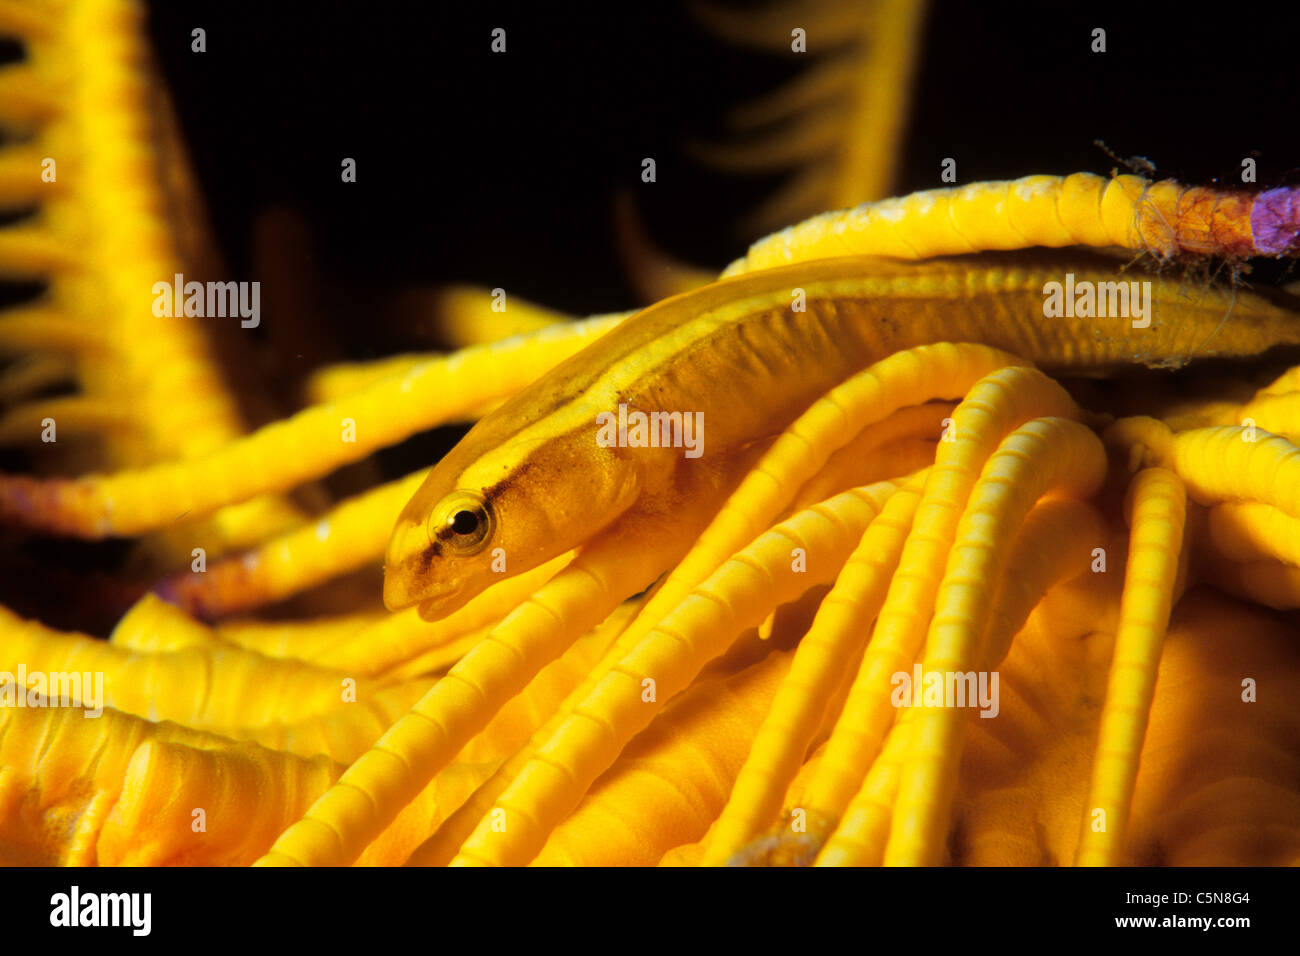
<point>960,527</point>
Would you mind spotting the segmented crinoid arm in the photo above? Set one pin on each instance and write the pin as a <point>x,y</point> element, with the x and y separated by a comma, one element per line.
<point>77,417</point>
<point>298,639</point>
<point>1249,531</point>
<point>343,818</point>
<point>152,626</point>
<point>241,794</point>
<point>99,238</point>
<point>443,845</point>
<point>376,643</point>
<point>1165,219</point>
<point>1288,382</point>
<point>1217,781</point>
<point>999,403</point>
<point>122,790</point>
<point>343,733</point>
<point>904,378</point>
<point>1054,544</point>
<point>1158,505</point>
<point>213,802</point>
<point>671,780</point>
<point>1234,463</point>
<point>207,685</point>
<point>627,696</point>
<point>898,381</point>
<point>247,794</point>
<point>1277,412</point>
<point>1047,455</point>
<point>401,638</point>
<point>466,316</point>
<point>842,623</point>
<point>61,775</point>
<point>102,164</point>
<point>34,373</point>
<point>511,726</point>
<point>350,535</point>
<point>332,382</point>
<point>1139,442</point>
<point>887,449</point>
<point>284,454</point>
<point>840,121</point>
<point>41,326</point>
<point>375,788</point>
<point>863,831</point>
<point>366,643</point>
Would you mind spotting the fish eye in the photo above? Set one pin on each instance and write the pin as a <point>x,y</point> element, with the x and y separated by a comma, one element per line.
<point>462,523</point>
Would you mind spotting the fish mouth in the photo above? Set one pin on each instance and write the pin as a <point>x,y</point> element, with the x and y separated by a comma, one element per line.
<point>431,603</point>
<point>403,589</point>
<point>435,608</point>
<point>396,597</point>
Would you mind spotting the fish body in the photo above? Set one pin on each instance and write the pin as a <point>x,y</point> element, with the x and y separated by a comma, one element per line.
<point>744,357</point>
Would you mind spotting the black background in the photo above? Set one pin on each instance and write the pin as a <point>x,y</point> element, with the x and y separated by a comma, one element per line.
<point>646,909</point>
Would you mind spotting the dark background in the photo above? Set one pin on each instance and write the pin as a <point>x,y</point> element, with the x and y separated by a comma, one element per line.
<point>501,169</point>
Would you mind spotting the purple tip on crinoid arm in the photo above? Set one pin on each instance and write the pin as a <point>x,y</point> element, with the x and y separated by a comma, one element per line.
<point>1275,221</point>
